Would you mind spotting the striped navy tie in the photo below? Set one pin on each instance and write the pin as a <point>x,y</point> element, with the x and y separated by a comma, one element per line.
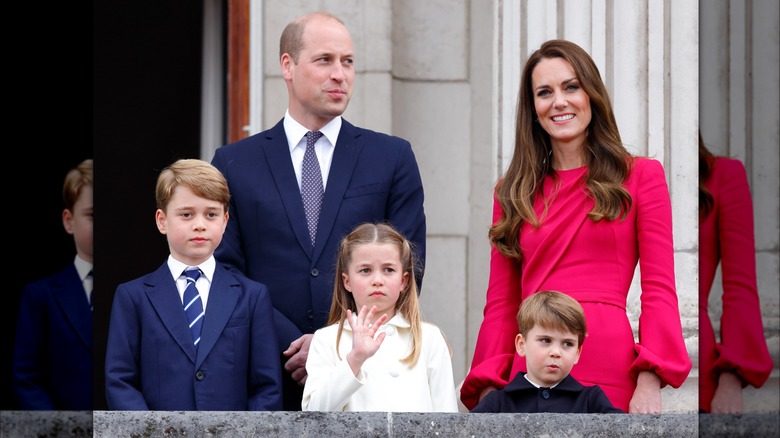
<point>193,306</point>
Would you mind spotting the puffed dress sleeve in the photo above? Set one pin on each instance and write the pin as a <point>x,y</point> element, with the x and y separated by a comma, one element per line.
<point>661,347</point>
<point>742,349</point>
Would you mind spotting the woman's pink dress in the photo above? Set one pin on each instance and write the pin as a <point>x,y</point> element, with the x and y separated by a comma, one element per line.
<point>726,236</point>
<point>593,262</point>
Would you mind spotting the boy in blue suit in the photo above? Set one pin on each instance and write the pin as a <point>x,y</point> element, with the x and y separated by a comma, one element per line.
<point>52,358</point>
<point>154,358</point>
<point>552,330</point>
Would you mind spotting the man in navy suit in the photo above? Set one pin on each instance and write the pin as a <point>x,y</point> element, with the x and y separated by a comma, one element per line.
<point>155,360</point>
<point>52,359</point>
<point>366,176</point>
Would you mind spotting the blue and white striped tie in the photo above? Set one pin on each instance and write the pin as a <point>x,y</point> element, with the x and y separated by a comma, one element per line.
<point>193,306</point>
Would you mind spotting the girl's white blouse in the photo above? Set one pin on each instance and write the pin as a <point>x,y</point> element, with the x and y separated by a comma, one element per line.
<point>384,384</point>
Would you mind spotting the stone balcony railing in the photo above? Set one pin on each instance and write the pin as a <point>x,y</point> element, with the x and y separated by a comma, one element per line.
<point>138,424</point>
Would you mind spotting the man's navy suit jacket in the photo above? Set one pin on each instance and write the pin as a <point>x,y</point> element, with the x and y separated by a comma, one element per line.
<point>152,363</point>
<point>373,178</point>
<point>52,360</point>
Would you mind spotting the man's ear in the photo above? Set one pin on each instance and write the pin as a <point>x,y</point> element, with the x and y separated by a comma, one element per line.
<point>286,62</point>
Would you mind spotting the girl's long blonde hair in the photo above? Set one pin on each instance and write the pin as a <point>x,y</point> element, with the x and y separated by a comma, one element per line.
<point>407,305</point>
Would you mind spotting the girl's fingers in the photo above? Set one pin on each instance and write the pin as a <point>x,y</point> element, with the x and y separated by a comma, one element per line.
<point>378,323</point>
<point>371,313</point>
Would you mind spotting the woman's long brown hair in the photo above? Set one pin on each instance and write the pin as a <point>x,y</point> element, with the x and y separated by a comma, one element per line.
<point>607,159</point>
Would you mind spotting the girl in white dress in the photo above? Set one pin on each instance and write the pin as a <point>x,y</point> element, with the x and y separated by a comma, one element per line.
<point>376,354</point>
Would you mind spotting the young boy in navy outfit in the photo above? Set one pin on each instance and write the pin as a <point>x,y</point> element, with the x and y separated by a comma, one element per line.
<point>52,358</point>
<point>154,358</point>
<point>552,330</point>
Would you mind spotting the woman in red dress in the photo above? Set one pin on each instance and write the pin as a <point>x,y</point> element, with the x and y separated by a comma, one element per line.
<point>575,212</point>
<point>726,237</point>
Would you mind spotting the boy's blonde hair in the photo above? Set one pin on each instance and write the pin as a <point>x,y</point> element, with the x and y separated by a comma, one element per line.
<point>552,310</point>
<point>407,305</point>
<point>75,181</point>
<point>205,181</point>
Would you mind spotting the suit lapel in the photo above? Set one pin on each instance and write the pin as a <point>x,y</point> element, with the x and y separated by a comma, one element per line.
<point>344,160</point>
<point>223,296</point>
<point>277,153</point>
<point>72,299</point>
<point>164,296</point>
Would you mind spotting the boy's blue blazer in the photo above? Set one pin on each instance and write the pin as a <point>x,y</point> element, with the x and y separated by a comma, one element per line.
<point>151,362</point>
<point>52,361</point>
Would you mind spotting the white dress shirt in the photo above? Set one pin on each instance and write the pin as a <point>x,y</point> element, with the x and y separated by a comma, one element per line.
<point>385,384</point>
<point>84,268</point>
<point>324,147</point>
<point>204,281</point>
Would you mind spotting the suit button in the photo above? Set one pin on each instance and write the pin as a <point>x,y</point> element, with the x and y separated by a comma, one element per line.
<point>310,314</point>
<point>315,272</point>
<point>200,375</point>
<point>546,394</point>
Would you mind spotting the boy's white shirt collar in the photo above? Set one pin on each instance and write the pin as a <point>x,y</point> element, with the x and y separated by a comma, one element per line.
<point>540,386</point>
<point>83,267</point>
<point>177,268</point>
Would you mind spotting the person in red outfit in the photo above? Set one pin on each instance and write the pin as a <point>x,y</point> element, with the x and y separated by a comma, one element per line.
<point>726,236</point>
<point>575,212</point>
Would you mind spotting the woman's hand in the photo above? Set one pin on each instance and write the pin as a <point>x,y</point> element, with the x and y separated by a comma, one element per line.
<point>728,395</point>
<point>647,395</point>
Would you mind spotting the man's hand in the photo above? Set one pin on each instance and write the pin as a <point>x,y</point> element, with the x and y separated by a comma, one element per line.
<point>298,352</point>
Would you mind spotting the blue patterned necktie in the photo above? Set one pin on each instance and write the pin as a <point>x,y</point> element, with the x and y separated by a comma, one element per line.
<point>311,184</point>
<point>193,306</point>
